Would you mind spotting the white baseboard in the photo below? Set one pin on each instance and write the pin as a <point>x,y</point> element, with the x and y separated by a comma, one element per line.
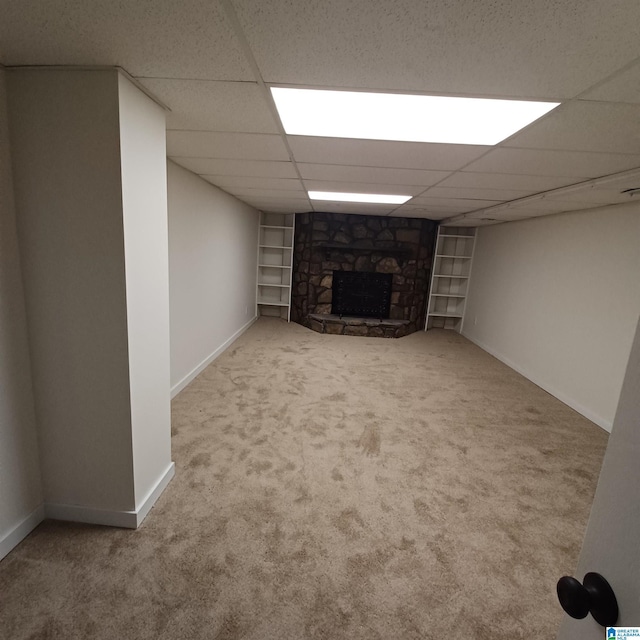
<point>123,519</point>
<point>14,537</point>
<point>145,506</point>
<point>581,409</point>
<point>90,515</point>
<point>178,387</point>
<point>75,513</point>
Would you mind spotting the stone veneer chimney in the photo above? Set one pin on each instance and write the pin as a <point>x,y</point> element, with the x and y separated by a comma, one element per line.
<point>328,242</point>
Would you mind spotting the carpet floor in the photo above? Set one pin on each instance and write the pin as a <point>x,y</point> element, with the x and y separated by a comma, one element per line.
<point>333,487</point>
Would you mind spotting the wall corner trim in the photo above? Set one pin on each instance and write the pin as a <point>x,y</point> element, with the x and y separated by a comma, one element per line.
<point>106,517</point>
<point>14,537</point>
<point>178,387</point>
<point>607,425</point>
<point>145,506</point>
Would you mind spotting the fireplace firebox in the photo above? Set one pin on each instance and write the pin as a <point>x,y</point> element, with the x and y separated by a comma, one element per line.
<point>361,294</point>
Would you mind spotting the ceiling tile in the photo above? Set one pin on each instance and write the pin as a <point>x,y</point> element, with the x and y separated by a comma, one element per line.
<point>459,204</point>
<point>549,205</point>
<point>378,153</point>
<point>301,204</point>
<point>244,182</point>
<point>243,191</point>
<point>595,196</point>
<point>287,206</point>
<point>479,194</point>
<point>354,207</point>
<point>542,162</point>
<point>213,106</point>
<point>267,195</point>
<point>242,146</point>
<point>346,173</point>
<point>482,222</point>
<point>283,209</point>
<point>474,215</point>
<point>544,49</point>
<point>517,215</point>
<point>362,187</point>
<point>225,167</point>
<point>625,180</point>
<point>473,221</point>
<point>591,194</point>
<point>422,212</point>
<point>443,209</point>
<point>506,181</point>
<point>155,38</point>
<point>533,209</point>
<point>582,125</point>
<point>622,87</point>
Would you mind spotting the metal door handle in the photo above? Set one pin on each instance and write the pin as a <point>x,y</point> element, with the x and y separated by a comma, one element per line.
<point>594,596</point>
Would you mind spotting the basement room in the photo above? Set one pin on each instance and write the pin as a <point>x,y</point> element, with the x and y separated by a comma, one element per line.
<point>319,320</point>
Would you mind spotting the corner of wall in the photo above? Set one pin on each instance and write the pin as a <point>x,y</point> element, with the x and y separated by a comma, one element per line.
<point>21,497</point>
<point>557,299</point>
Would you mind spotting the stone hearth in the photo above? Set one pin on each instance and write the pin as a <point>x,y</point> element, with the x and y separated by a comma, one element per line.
<point>328,242</point>
<point>371,327</point>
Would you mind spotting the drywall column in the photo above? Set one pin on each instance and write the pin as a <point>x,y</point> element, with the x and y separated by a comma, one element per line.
<point>146,247</point>
<point>20,492</point>
<point>78,214</point>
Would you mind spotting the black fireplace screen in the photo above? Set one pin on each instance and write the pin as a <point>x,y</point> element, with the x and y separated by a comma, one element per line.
<point>362,294</point>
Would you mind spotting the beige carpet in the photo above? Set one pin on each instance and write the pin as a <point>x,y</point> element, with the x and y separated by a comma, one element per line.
<point>333,487</point>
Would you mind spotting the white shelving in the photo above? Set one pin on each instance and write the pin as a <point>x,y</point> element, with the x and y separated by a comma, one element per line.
<point>275,262</point>
<point>450,277</point>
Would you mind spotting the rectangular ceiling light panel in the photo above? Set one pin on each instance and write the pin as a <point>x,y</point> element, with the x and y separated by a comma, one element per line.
<point>337,196</point>
<point>405,118</point>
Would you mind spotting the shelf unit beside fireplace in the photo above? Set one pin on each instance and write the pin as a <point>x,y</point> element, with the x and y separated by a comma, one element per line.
<point>275,261</point>
<point>450,278</point>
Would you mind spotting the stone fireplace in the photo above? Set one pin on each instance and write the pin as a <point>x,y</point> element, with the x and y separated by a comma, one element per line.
<point>331,248</point>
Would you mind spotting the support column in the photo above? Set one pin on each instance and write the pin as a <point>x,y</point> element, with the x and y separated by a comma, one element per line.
<point>90,184</point>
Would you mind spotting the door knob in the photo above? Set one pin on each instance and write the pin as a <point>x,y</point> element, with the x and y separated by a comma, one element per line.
<point>594,596</point>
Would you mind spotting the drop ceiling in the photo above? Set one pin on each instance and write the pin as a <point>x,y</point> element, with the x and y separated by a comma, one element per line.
<point>212,63</point>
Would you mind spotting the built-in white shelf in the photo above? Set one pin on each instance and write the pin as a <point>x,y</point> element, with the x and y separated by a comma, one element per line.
<point>449,278</point>
<point>275,262</point>
<point>270,303</point>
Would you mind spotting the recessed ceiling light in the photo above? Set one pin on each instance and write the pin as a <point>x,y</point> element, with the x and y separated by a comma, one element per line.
<point>337,196</point>
<point>399,117</point>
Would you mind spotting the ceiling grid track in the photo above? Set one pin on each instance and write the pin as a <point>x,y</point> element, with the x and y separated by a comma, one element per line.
<point>266,94</point>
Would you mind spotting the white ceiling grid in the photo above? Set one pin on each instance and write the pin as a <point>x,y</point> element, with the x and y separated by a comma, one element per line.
<point>212,62</point>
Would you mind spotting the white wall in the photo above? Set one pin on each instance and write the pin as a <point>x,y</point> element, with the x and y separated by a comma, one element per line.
<point>144,198</point>
<point>212,271</point>
<point>66,159</point>
<point>20,494</point>
<point>558,298</point>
